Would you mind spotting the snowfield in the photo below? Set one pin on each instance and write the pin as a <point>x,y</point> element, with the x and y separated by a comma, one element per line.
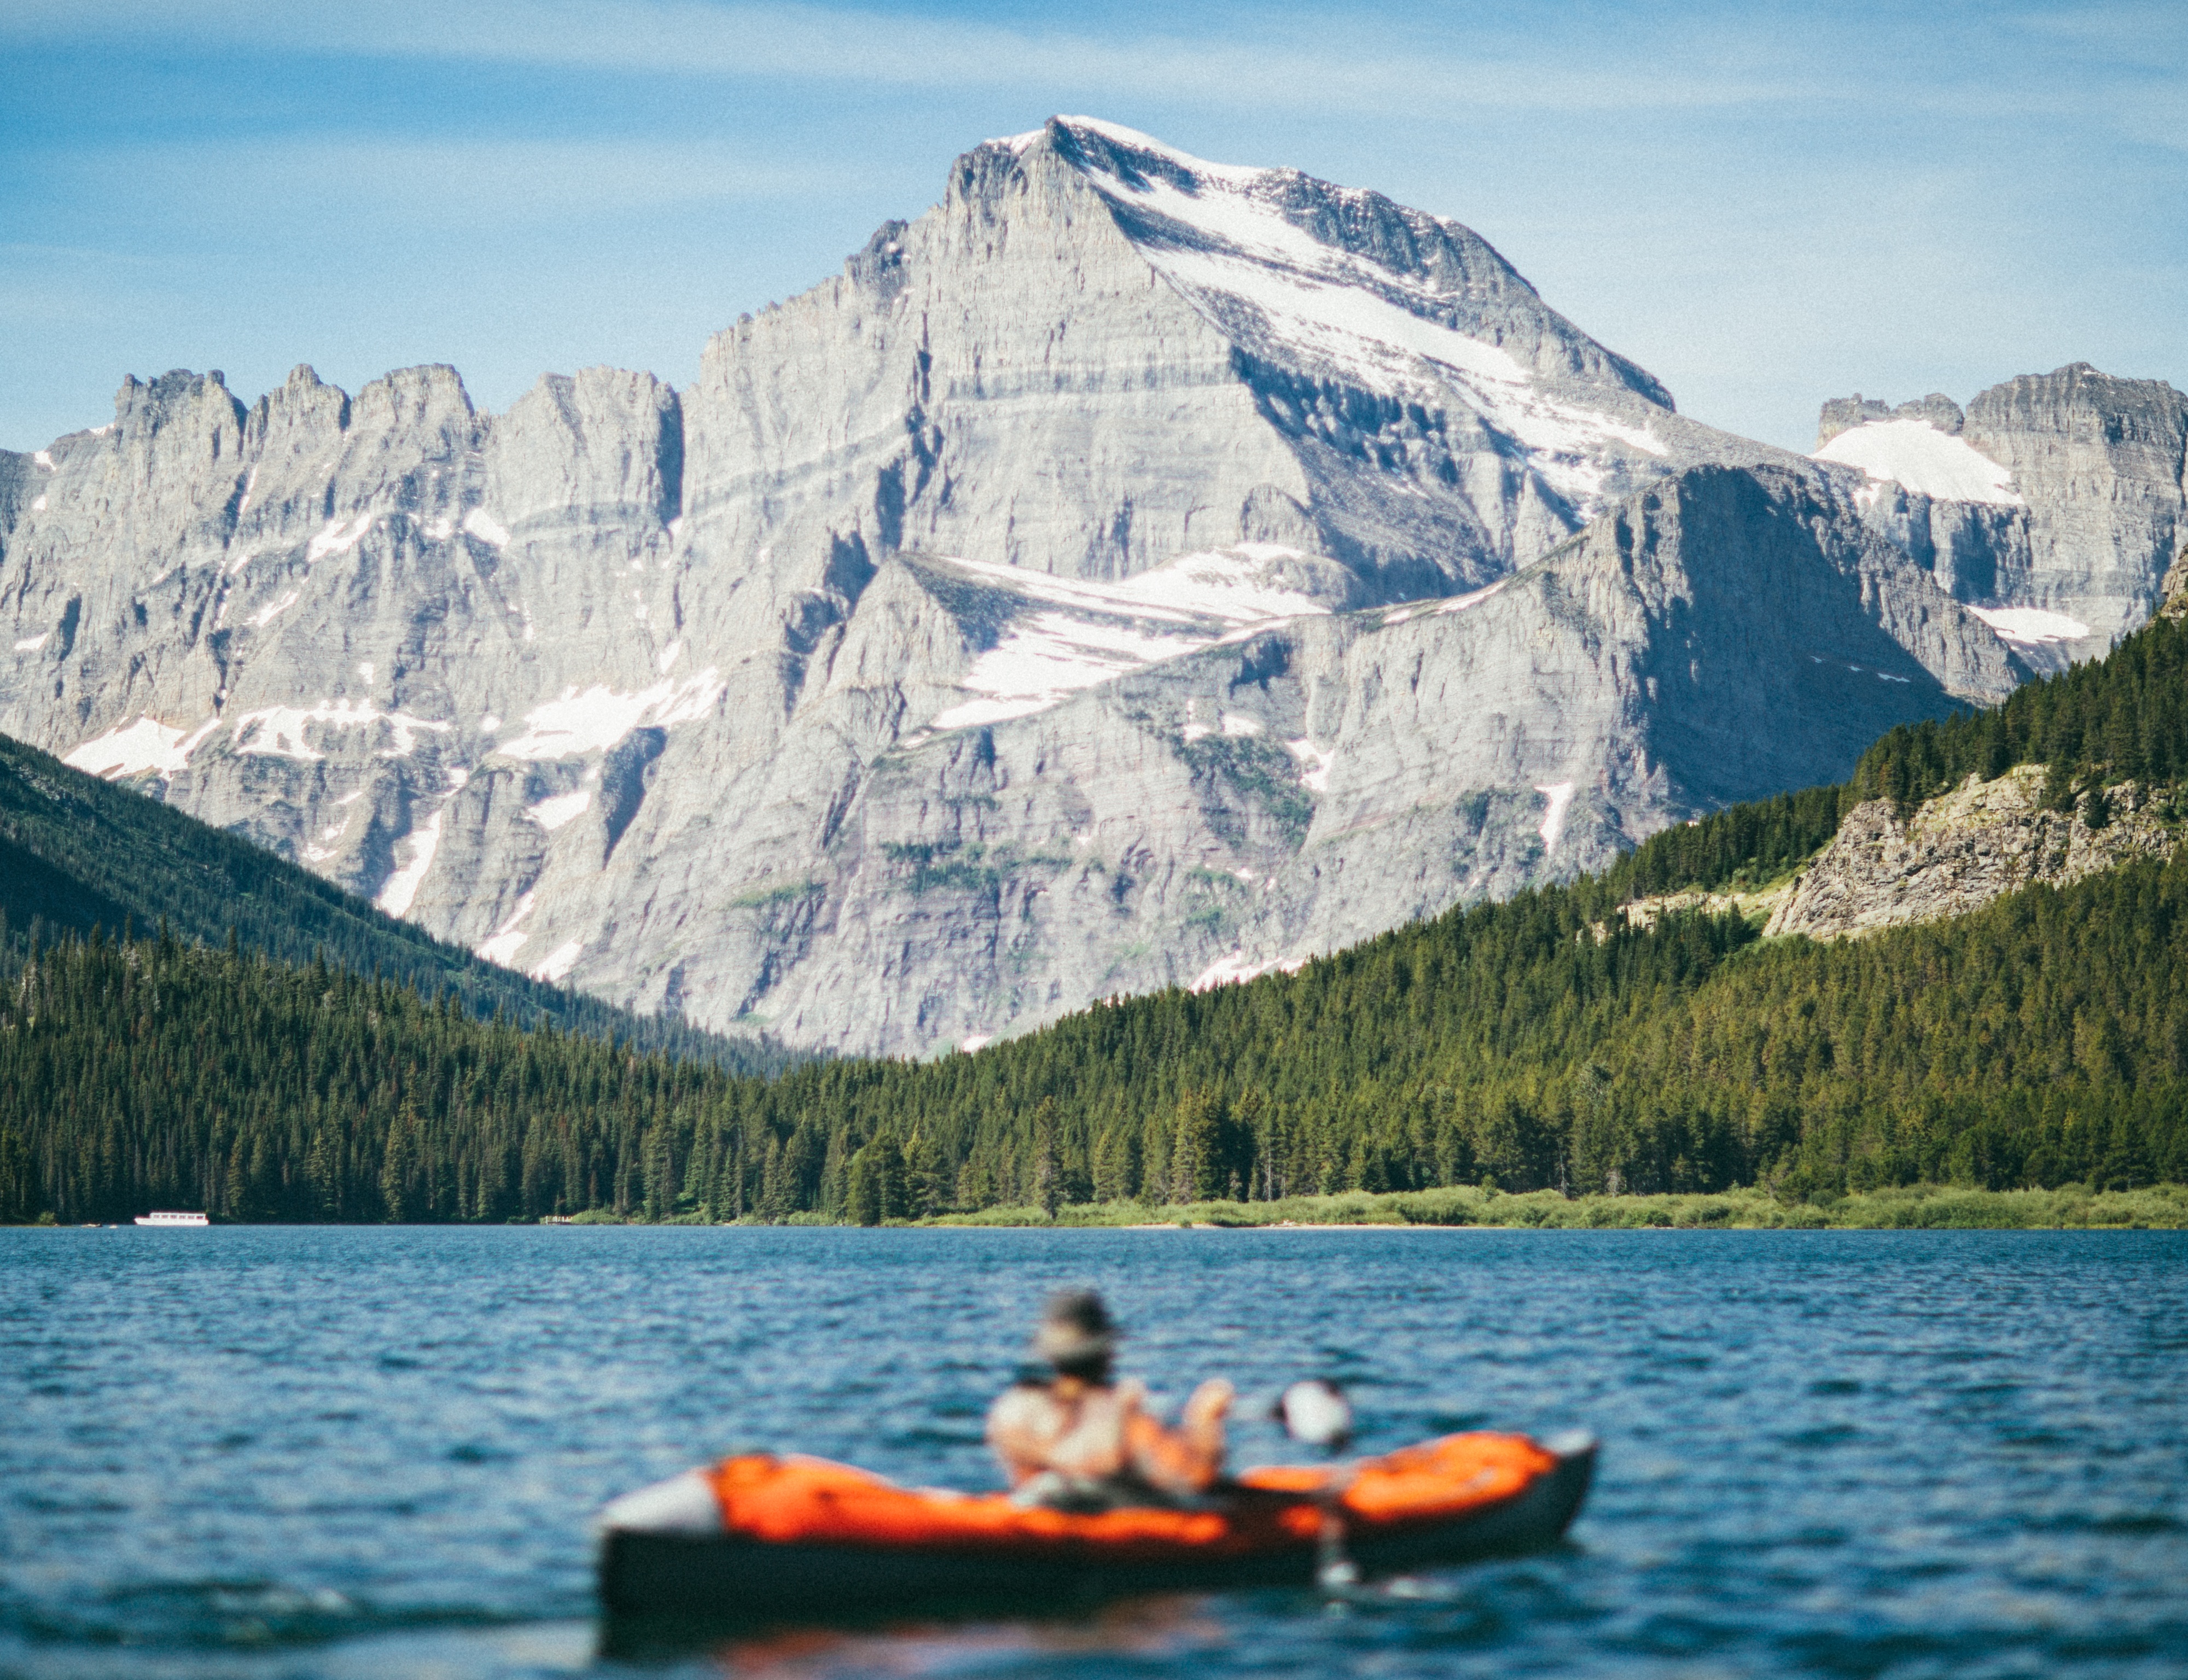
<point>2030,626</point>
<point>136,748</point>
<point>596,719</point>
<point>1916,455</point>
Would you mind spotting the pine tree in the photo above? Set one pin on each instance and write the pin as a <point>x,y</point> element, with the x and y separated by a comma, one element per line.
<point>1046,1187</point>
<point>399,1173</point>
<point>1196,1162</point>
<point>926,1177</point>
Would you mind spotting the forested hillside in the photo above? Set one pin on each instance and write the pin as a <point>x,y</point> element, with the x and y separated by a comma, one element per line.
<point>77,852</point>
<point>2041,1040</point>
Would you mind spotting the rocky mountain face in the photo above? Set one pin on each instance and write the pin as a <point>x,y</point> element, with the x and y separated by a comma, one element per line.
<point>1133,571</point>
<point>1962,849</point>
<point>2052,507</point>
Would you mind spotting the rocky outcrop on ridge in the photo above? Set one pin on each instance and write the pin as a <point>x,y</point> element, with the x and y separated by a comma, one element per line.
<point>1962,849</point>
<point>1133,571</point>
<point>1843,413</point>
<point>2173,593</point>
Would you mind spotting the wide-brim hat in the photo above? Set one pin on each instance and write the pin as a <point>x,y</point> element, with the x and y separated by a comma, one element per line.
<point>1075,1327</point>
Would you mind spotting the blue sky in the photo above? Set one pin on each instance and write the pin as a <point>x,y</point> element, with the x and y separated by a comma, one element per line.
<point>1764,204</point>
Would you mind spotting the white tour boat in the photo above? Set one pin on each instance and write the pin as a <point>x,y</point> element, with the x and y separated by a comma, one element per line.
<point>172,1219</point>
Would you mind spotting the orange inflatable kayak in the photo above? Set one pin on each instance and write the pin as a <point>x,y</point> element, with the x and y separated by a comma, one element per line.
<point>762,1536</point>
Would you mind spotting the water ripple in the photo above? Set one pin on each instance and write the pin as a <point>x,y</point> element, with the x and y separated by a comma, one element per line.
<point>311,1455</point>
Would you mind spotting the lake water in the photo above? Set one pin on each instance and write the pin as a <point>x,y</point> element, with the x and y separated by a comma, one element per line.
<point>287,1452</point>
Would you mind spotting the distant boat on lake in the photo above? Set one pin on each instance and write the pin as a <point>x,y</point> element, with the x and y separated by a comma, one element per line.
<point>172,1219</point>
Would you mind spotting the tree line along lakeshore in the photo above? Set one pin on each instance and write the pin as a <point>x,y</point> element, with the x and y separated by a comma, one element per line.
<point>1540,1043</point>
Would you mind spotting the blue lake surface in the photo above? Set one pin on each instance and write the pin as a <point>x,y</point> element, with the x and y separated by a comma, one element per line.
<point>327,1452</point>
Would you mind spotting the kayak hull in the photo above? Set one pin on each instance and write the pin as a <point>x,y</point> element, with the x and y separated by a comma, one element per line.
<point>646,1572</point>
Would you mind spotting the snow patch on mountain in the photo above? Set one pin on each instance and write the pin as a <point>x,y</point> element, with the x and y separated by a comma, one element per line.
<point>509,938</point>
<point>1316,778</point>
<point>284,731</point>
<point>135,749</point>
<point>400,890</point>
<point>1242,584</point>
<point>1052,657</point>
<point>335,537</point>
<point>597,718</point>
<point>1095,633</point>
<point>2030,626</point>
<point>555,966</point>
<point>486,528</point>
<point>1471,598</point>
<point>1559,795</point>
<point>266,615</point>
<point>1917,456</point>
<point>552,814</point>
<point>1236,969</point>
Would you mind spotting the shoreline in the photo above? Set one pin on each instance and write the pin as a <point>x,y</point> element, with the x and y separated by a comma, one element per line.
<point>2073,1207</point>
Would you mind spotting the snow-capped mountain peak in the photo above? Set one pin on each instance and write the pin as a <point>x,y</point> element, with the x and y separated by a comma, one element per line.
<point>1345,285</point>
<point>1133,570</point>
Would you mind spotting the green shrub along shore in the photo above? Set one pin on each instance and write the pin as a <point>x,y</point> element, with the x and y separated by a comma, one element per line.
<point>1921,1207</point>
<point>1580,1070</point>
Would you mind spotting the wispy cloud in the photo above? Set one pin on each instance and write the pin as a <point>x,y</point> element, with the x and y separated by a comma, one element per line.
<point>1361,69</point>
<point>1762,203</point>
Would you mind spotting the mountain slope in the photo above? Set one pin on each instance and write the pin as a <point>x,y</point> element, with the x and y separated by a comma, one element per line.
<point>76,853</point>
<point>1050,604</point>
<point>1257,802</point>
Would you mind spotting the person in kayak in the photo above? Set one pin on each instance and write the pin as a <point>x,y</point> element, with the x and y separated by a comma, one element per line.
<point>1081,1441</point>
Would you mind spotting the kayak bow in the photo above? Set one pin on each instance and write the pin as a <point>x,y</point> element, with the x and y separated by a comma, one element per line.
<point>760,1536</point>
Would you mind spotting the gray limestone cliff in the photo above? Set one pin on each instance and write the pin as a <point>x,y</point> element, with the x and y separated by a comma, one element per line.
<point>2053,505</point>
<point>1269,796</point>
<point>1133,571</point>
<point>2103,463</point>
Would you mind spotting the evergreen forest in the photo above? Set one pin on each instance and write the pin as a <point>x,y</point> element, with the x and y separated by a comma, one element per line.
<point>1540,1043</point>
<point>77,852</point>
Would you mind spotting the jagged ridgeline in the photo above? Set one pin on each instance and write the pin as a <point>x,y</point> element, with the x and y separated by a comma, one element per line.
<point>1545,1042</point>
<point>76,853</point>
